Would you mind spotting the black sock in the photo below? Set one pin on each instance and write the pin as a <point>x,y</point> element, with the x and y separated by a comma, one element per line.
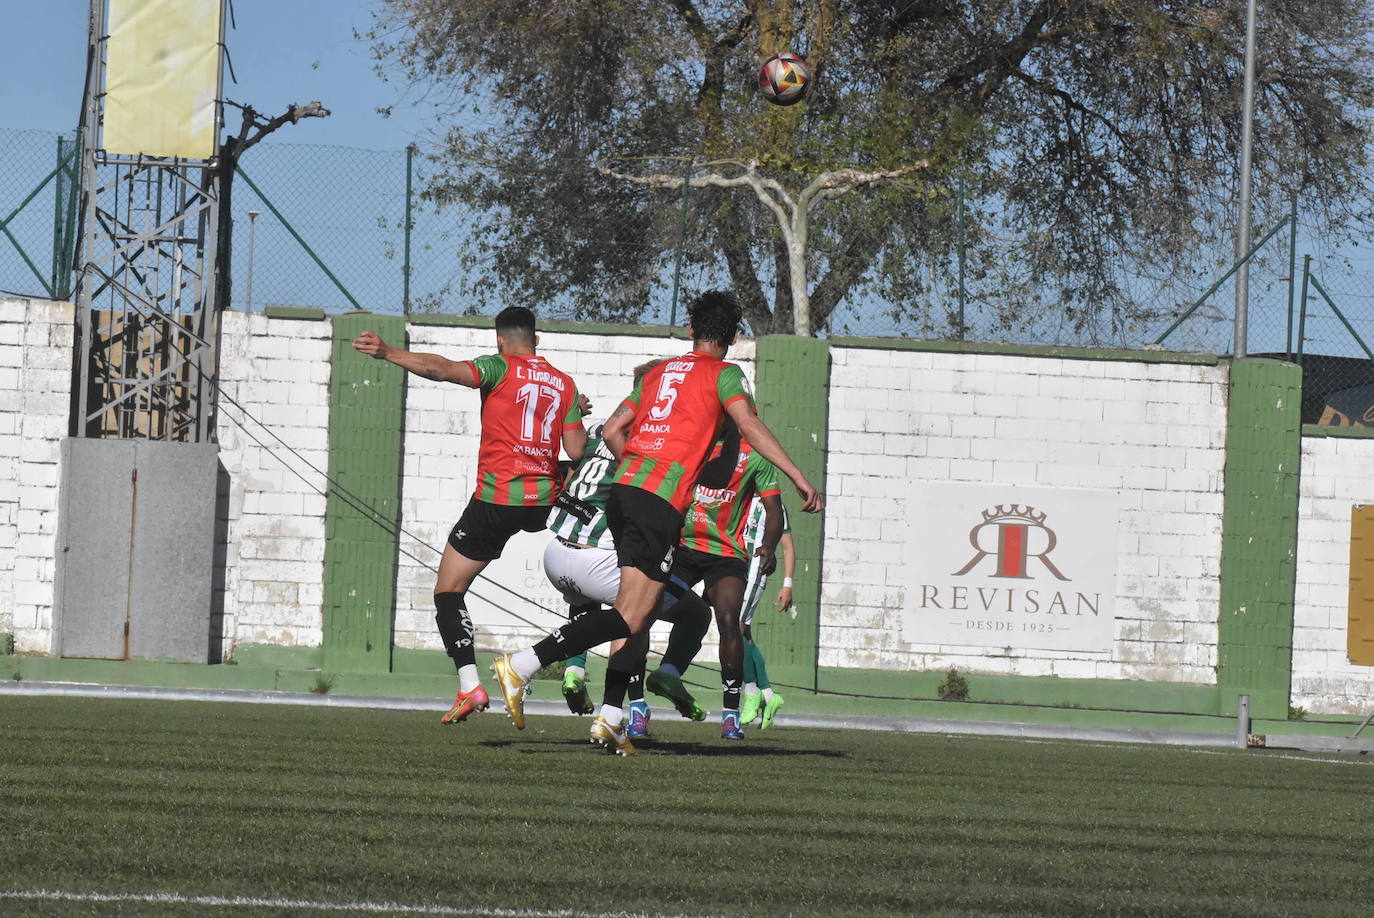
<point>617,681</point>
<point>637,685</point>
<point>730,681</point>
<point>586,632</point>
<point>684,640</point>
<point>455,628</point>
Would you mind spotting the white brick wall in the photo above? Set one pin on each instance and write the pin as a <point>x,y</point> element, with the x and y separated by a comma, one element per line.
<point>35,379</point>
<point>442,427</point>
<point>1337,474</point>
<point>1154,433</point>
<point>277,371</point>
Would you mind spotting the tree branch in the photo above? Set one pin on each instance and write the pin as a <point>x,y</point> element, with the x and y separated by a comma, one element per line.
<point>783,205</point>
<point>840,182</point>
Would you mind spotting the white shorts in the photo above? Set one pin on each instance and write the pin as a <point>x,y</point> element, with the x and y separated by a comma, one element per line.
<point>754,588</point>
<point>582,575</point>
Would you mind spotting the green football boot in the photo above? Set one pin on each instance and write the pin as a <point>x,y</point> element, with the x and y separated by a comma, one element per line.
<point>770,711</point>
<point>575,694</point>
<point>751,707</point>
<point>671,687</point>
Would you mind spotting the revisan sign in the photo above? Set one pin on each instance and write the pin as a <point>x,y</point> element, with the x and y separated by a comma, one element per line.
<point>1030,568</point>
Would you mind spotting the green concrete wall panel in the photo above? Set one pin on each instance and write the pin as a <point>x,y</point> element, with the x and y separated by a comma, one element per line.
<point>792,378</point>
<point>366,417</point>
<point>1259,536</point>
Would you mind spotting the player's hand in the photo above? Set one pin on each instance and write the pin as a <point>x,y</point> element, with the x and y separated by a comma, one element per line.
<point>769,562</point>
<point>584,404</point>
<point>812,502</point>
<point>371,344</point>
<point>784,601</point>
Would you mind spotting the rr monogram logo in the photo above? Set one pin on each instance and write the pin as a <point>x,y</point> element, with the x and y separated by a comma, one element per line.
<point>1020,534</point>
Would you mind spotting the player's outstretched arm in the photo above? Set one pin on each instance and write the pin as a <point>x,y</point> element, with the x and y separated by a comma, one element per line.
<point>575,442</point>
<point>762,439</point>
<point>789,567</point>
<point>772,532</point>
<point>430,366</point>
<point>616,431</point>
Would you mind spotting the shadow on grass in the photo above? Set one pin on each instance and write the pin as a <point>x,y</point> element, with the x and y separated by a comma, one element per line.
<point>652,747</point>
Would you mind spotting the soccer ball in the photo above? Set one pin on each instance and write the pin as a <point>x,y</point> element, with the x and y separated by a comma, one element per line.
<point>784,78</point>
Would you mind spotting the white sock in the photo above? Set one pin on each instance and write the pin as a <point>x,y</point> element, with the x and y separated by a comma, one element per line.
<point>575,671</point>
<point>768,694</point>
<point>669,669</point>
<point>468,678</point>
<point>612,715</point>
<point>751,688</point>
<point>525,663</point>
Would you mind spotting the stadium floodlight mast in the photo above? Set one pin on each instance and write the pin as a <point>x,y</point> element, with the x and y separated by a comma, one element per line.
<point>1243,236</point>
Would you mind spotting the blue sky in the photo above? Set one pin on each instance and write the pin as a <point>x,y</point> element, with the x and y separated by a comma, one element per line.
<point>282,51</point>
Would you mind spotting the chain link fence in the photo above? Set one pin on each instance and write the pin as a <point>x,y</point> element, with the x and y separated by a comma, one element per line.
<point>341,228</point>
<point>38,200</point>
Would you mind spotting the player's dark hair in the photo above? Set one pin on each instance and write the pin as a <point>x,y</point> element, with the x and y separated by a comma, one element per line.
<point>516,321</point>
<point>648,365</point>
<point>715,316</point>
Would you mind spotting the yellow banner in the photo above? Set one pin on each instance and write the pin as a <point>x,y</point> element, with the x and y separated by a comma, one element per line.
<point>161,77</point>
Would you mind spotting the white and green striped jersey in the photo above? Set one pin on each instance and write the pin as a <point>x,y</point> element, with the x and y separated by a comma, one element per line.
<point>753,526</point>
<point>579,513</point>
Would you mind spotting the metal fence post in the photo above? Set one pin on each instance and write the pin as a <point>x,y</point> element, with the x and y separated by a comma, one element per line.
<point>1302,304</point>
<point>962,249</point>
<point>1242,720</point>
<point>681,236</point>
<point>405,267</point>
<point>57,240</point>
<point>1292,269</point>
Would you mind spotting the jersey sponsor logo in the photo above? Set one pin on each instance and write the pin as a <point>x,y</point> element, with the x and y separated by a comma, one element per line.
<point>713,497</point>
<point>575,507</point>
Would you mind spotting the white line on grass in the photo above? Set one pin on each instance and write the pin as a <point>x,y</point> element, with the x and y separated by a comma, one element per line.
<point>385,908</point>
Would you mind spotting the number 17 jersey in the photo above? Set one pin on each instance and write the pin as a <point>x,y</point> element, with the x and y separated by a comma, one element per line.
<point>678,407</point>
<point>526,406</point>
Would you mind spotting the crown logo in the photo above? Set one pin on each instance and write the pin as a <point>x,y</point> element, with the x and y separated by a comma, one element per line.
<point>1017,513</point>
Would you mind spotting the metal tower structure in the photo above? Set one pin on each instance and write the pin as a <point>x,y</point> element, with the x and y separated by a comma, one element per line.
<point>147,321</point>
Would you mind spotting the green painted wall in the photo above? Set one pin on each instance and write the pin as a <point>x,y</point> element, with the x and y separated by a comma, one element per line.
<point>366,417</point>
<point>792,378</point>
<point>1259,536</point>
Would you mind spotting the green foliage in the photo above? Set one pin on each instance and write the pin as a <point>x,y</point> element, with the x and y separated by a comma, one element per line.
<point>1297,712</point>
<point>1093,138</point>
<point>954,688</point>
<point>553,671</point>
<point>324,683</point>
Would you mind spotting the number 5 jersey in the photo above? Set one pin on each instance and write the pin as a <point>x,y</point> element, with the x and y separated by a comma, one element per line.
<point>678,406</point>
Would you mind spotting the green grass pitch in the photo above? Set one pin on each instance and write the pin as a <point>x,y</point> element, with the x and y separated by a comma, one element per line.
<point>261,809</point>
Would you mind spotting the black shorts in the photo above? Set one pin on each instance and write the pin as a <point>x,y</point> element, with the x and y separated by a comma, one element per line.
<point>483,530</point>
<point>646,529</point>
<point>692,567</point>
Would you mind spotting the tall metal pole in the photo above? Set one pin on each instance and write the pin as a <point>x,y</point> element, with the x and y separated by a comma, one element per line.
<point>405,268</point>
<point>681,236</point>
<point>1292,269</point>
<point>1243,237</point>
<point>1302,305</point>
<point>962,249</point>
<point>252,232</point>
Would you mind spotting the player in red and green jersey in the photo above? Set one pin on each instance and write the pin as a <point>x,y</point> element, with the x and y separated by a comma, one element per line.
<point>663,432</point>
<point>529,409</point>
<point>713,551</point>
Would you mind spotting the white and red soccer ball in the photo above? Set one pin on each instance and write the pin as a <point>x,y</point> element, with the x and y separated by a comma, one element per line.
<point>784,78</point>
